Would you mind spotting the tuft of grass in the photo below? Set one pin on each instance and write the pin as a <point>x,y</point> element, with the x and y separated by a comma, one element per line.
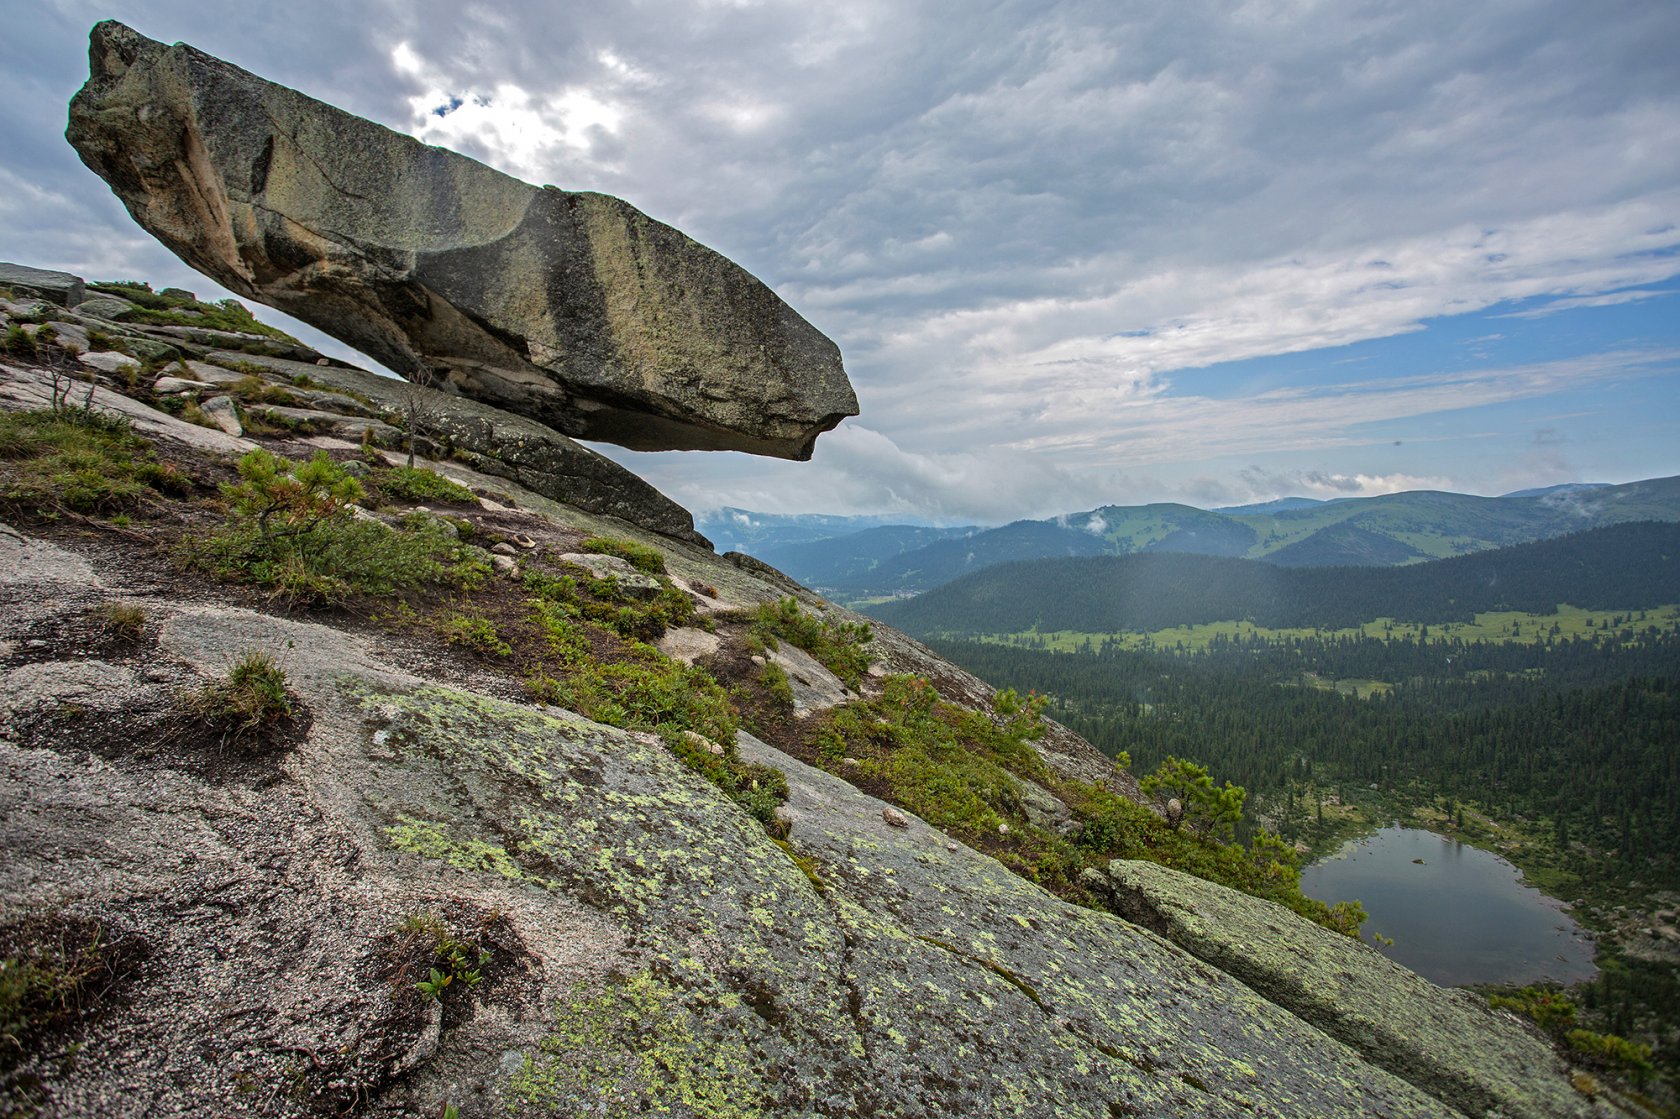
<point>53,971</point>
<point>640,556</point>
<point>837,645</point>
<point>253,389</point>
<point>250,701</point>
<point>413,483</point>
<point>18,342</point>
<point>476,633</point>
<point>122,620</point>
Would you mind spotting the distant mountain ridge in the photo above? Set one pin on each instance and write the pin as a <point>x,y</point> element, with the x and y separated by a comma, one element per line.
<point>1386,531</point>
<point>1618,567</point>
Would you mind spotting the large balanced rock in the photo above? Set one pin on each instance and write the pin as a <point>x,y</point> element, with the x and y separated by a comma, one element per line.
<point>573,308</point>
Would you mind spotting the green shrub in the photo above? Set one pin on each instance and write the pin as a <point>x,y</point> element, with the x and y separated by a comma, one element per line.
<point>640,556</point>
<point>960,770</point>
<point>477,633</point>
<point>644,690</point>
<point>605,603</point>
<point>954,768</point>
<point>1208,809</point>
<point>1551,1010</point>
<point>451,961</point>
<point>292,531</point>
<point>18,342</point>
<point>838,646</point>
<point>411,483</point>
<point>1612,1051</point>
<point>777,686</point>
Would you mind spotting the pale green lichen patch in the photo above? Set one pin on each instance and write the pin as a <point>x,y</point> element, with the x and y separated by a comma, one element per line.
<point>641,1046</point>
<point>432,840</point>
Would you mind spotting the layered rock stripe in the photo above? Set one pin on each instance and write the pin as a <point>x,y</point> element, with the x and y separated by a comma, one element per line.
<point>574,309</point>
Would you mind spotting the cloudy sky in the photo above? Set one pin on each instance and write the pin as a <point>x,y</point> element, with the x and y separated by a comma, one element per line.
<point>1075,253</point>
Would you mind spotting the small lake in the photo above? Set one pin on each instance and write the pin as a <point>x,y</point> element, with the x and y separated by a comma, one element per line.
<point>1462,915</point>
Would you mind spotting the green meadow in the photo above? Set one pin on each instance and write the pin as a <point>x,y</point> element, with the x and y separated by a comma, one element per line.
<point>1563,624</point>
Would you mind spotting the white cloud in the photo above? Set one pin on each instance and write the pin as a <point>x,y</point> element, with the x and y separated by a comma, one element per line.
<point>504,123</point>
<point>1610,299</point>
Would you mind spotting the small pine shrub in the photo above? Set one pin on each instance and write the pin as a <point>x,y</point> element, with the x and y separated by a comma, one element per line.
<point>778,686</point>
<point>293,531</point>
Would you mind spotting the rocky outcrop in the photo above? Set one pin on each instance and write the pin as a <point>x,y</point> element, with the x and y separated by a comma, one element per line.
<point>60,287</point>
<point>1448,1043</point>
<point>652,950</point>
<point>635,942</point>
<point>492,442</point>
<point>574,309</point>
<point>483,438</point>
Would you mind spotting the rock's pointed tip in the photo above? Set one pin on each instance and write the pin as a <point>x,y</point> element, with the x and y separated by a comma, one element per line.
<point>112,47</point>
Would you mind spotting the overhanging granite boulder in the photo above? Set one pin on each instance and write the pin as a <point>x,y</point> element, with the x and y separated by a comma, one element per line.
<point>572,308</point>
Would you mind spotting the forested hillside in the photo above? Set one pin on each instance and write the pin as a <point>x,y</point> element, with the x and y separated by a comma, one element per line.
<point>1560,751</point>
<point>1389,530</point>
<point>1621,567</point>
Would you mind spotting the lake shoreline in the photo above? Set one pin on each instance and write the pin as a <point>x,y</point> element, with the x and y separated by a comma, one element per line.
<point>1458,914</point>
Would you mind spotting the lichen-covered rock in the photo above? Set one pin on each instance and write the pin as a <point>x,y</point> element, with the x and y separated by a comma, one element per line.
<point>1448,1043</point>
<point>573,308</point>
<point>632,583</point>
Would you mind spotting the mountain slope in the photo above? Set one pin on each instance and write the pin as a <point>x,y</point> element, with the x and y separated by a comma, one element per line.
<point>945,560</point>
<point>1621,567</point>
<point>846,560</point>
<point>1389,530</point>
